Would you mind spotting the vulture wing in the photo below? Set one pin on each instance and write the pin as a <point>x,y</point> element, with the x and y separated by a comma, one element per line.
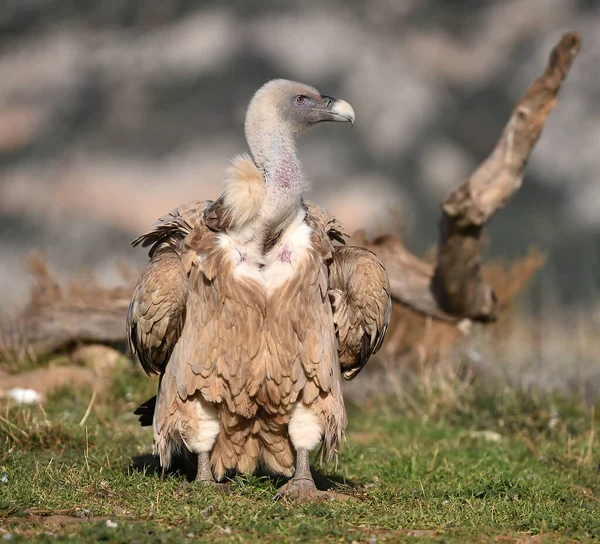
<point>359,292</point>
<point>157,310</point>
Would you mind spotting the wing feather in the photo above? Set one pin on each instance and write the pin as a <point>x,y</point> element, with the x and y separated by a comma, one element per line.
<point>157,310</point>
<point>360,297</point>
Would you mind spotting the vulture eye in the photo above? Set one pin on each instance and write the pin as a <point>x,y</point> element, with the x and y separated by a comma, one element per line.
<point>300,99</point>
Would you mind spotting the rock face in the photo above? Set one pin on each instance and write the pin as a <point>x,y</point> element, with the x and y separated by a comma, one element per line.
<point>101,102</point>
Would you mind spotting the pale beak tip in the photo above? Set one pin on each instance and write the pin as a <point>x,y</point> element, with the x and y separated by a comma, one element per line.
<point>344,110</point>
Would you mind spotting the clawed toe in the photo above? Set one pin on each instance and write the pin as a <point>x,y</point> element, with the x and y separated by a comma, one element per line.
<point>302,490</point>
<point>219,486</point>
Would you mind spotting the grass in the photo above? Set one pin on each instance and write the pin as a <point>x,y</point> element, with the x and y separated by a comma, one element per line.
<point>498,466</point>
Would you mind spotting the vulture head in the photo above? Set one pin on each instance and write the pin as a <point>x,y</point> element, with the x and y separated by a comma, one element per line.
<point>293,107</point>
<point>281,109</point>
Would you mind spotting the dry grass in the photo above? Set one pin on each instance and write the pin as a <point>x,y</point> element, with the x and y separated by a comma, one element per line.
<point>418,342</point>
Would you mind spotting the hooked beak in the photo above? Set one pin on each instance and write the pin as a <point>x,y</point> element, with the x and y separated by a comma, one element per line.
<point>336,110</point>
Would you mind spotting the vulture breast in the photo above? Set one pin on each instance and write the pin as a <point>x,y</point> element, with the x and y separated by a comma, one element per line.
<point>279,265</point>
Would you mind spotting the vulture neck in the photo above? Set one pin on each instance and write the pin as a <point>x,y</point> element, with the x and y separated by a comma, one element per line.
<point>274,152</point>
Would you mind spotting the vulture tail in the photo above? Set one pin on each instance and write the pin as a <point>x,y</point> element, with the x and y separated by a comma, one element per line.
<point>146,412</point>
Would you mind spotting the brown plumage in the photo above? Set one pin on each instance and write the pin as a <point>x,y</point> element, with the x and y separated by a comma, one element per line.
<point>250,309</point>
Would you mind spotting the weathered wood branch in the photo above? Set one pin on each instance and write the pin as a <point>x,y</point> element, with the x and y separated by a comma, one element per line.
<point>59,316</point>
<point>454,288</point>
<point>410,277</point>
<point>458,284</point>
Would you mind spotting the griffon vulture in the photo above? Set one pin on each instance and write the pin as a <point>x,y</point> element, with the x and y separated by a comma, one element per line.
<point>251,310</point>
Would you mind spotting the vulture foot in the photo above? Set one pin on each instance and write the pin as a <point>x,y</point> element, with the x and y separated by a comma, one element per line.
<point>218,486</point>
<point>305,490</point>
<point>299,489</point>
<point>302,487</point>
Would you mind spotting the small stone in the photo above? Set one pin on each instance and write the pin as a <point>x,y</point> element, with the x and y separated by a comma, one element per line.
<point>4,478</point>
<point>227,530</point>
<point>111,524</point>
<point>8,537</point>
<point>208,510</point>
<point>489,436</point>
<point>82,513</point>
<point>102,359</point>
<point>24,396</point>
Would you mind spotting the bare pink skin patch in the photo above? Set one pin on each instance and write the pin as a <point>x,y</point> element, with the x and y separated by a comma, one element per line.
<point>285,256</point>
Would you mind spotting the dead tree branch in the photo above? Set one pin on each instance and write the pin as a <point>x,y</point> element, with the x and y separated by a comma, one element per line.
<point>60,316</point>
<point>455,288</point>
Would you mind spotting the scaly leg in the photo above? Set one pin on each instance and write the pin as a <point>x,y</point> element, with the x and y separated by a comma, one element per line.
<point>301,486</point>
<point>305,430</point>
<point>204,474</point>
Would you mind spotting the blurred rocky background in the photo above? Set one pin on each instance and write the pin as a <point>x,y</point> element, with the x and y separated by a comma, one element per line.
<point>113,112</point>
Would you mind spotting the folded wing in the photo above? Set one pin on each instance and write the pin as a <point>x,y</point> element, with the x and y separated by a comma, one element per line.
<point>359,292</point>
<point>157,311</point>
<point>158,307</point>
